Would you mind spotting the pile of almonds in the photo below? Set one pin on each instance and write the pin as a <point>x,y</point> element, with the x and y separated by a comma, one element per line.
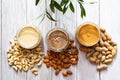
<point>24,59</point>
<point>62,60</point>
<point>103,52</point>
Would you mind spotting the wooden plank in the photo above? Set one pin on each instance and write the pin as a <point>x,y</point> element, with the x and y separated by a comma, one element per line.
<point>68,23</point>
<point>32,12</point>
<point>13,17</point>
<point>0,40</point>
<point>109,18</point>
<point>86,70</point>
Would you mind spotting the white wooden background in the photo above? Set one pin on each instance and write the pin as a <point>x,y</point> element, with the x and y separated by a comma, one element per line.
<point>15,13</point>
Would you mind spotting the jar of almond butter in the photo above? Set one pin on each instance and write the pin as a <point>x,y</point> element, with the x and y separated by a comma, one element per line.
<point>57,39</point>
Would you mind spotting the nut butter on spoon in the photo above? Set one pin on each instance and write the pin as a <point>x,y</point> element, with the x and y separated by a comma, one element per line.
<point>29,36</point>
<point>88,34</point>
<point>57,39</point>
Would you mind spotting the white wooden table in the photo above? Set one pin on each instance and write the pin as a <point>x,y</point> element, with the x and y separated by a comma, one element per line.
<point>15,13</point>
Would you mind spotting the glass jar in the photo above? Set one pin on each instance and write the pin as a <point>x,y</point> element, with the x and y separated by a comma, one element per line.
<point>57,39</point>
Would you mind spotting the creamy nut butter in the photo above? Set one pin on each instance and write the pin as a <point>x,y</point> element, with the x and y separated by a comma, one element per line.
<point>88,34</point>
<point>57,39</point>
<point>29,36</point>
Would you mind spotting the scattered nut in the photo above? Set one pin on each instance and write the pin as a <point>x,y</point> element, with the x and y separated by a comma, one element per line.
<point>69,72</point>
<point>24,59</point>
<point>103,58</point>
<point>85,49</point>
<point>40,63</point>
<point>101,67</point>
<point>65,73</point>
<point>107,61</point>
<point>91,59</point>
<point>62,60</point>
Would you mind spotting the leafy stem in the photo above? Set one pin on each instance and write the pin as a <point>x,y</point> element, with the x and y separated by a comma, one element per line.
<point>63,7</point>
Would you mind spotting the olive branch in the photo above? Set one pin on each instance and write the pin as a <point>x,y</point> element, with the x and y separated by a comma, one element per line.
<point>62,7</point>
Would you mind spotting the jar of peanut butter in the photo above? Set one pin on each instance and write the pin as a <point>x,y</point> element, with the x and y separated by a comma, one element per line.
<point>88,34</point>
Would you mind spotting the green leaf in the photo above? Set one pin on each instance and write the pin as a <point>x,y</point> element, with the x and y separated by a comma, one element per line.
<point>71,7</point>
<point>81,0</point>
<point>49,16</point>
<point>36,2</point>
<point>92,2</point>
<point>57,6</point>
<point>65,9</point>
<point>64,2</point>
<point>52,6</point>
<point>83,12</point>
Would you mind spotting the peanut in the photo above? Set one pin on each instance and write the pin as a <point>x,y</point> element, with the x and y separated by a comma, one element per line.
<point>102,29</point>
<point>98,49</point>
<point>114,52</point>
<point>108,52</point>
<point>110,48</point>
<point>107,61</point>
<point>85,49</point>
<point>103,58</point>
<point>104,49</point>
<point>113,43</point>
<point>88,54</point>
<point>99,56</point>
<point>109,56</point>
<point>107,36</point>
<point>101,42</point>
<point>103,53</point>
<point>101,67</point>
<point>96,54</point>
<point>91,59</point>
<point>103,36</point>
<point>97,61</point>
<point>106,44</point>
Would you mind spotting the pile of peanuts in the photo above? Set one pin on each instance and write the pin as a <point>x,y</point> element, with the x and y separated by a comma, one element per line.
<point>64,59</point>
<point>103,52</point>
<point>24,59</point>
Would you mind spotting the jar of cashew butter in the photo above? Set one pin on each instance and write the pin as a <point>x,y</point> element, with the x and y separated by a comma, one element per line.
<point>29,36</point>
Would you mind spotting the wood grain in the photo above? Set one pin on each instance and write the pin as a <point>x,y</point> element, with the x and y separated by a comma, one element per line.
<point>86,70</point>
<point>109,18</point>
<point>68,23</point>
<point>0,39</point>
<point>13,17</point>
<point>32,13</point>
